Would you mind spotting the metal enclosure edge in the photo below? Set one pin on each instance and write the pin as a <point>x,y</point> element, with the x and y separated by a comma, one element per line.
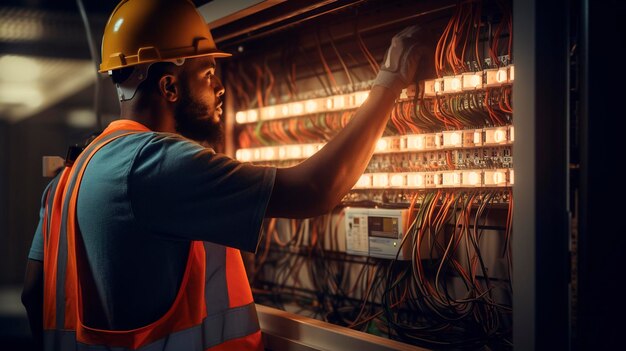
<point>540,243</point>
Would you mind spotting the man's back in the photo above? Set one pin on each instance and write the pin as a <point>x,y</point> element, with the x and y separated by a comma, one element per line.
<point>143,198</point>
<point>136,274</point>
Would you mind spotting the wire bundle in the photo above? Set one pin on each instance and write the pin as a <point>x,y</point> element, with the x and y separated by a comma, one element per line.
<point>471,109</point>
<point>445,296</point>
<point>461,46</point>
<point>475,109</point>
<point>308,129</point>
<point>460,49</point>
<point>447,227</point>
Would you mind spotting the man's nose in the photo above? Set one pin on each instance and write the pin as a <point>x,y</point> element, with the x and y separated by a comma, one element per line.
<point>219,88</point>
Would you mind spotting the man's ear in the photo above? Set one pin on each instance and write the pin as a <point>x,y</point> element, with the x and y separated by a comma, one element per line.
<point>168,87</point>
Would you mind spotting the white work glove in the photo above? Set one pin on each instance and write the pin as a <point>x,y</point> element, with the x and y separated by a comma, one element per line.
<point>401,60</point>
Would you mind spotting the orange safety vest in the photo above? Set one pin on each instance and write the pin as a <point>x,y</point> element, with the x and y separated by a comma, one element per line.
<point>213,309</point>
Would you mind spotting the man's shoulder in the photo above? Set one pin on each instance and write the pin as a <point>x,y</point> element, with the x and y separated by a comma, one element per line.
<point>168,155</point>
<point>169,145</point>
<point>148,142</point>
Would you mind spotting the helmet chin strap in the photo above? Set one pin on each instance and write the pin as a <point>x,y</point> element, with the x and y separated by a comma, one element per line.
<point>128,88</point>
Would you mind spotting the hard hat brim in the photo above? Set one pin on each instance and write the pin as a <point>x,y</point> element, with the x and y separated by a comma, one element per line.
<point>216,54</point>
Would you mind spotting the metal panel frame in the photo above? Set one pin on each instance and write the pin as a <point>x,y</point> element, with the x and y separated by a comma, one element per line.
<point>541,226</point>
<point>220,12</point>
<point>601,239</point>
<point>287,331</point>
<point>541,275</point>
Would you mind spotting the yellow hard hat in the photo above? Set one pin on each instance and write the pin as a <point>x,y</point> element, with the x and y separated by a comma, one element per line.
<point>145,31</point>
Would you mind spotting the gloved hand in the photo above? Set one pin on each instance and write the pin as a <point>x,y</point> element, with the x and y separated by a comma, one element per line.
<point>401,60</point>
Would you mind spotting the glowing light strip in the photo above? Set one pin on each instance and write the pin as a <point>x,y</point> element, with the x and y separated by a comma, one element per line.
<point>301,108</point>
<point>473,178</point>
<point>278,153</point>
<point>494,136</point>
<point>449,84</point>
<point>492,77</point>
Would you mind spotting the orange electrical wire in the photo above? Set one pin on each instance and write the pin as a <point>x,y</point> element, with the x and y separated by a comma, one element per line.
<point>450,122</point>
<point>259,78</point>
<point>292,125</point>
<point>395,121</point>
<point>329,73</point>
<point>304,131</point>
<point>496,42</point>
<point>267,131</point>
<point>279,132</point>
<point>375,315</point>
<point>368,55</point>
<point>426,224</point>
<point>283,129</point>
<point>467,33</point>
<point>477,40</point>
<point>437,111</point>
<point>502,103</point>
<point>270,85</point>
<point>407,108</point>
<point>492,113</point>
<point>507,99</point>
<point>244,139</point>
<point>451,49</point>
<point>440,49</point>
<point>286,132</point>
<point>449,160</point>
<point>292,81</point>
<point>367,293</point>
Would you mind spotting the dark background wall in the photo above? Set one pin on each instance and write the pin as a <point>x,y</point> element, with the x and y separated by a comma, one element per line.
<point>4,156</point>
<point>27,142</point>
<point>22,146</point>
<point>60,36</point>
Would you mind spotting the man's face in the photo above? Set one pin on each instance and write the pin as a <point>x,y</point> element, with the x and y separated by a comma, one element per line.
<point>199,110</point>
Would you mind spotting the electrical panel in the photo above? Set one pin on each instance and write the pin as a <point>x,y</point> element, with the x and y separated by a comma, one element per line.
<point>419,249</point>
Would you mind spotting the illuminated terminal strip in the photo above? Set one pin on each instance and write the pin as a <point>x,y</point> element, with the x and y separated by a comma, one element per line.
<point>449,84</point>
<point>445,179</point>
<point>278,153</point>
<point>301,108</point>
<point>470,81</point>
<point>494,136</point>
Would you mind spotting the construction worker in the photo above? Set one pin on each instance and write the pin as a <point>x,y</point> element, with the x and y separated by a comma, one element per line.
<point>146,255</point>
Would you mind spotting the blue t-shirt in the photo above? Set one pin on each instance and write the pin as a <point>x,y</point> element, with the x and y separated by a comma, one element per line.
<point>142,199</point>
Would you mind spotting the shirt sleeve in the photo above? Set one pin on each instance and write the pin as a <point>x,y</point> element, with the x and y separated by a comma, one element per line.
<point>181,190</point>
<point>36,248</point>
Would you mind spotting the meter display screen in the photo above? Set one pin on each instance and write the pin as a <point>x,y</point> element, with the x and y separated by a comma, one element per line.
<point>386,227</point>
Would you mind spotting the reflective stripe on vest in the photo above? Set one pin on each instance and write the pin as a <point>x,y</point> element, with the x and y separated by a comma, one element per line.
<point>213,309</point>
<point>233,324</point>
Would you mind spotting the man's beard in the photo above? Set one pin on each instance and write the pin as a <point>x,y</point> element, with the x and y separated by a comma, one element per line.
<point>193,121</point>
